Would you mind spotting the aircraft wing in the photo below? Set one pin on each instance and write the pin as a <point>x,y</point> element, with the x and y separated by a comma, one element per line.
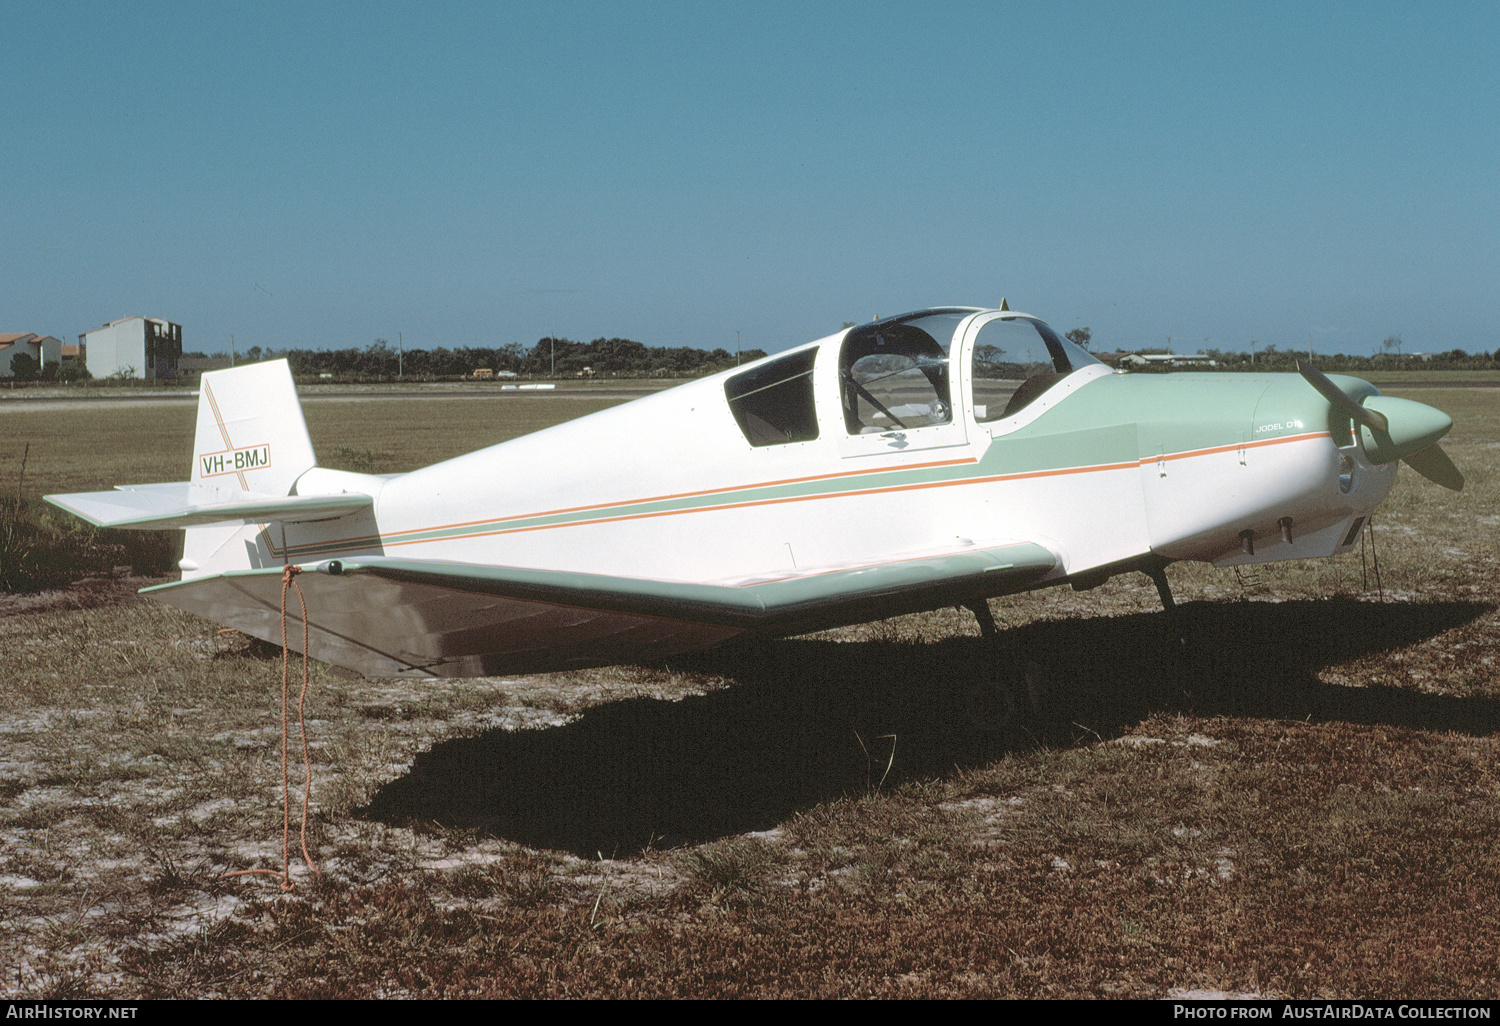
<point>384,617</point>
<point>156,507</point>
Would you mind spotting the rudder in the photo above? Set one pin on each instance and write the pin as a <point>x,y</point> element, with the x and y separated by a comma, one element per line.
<point>251,436</point>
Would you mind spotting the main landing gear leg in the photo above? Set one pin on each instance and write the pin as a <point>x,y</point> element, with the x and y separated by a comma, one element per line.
<point>981,610</point>
<point>1158,574</point>
<point>1157,571</point>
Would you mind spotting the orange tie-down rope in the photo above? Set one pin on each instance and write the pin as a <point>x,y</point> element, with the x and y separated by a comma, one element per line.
<point>288,573</point>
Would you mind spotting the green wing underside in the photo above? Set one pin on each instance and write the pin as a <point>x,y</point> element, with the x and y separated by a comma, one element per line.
<point>384,617</point>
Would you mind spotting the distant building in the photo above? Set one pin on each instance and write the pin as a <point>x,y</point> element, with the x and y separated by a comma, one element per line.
<point>190,366</point>
<point>18,344</point>
<point>1170,359</point>
<point>134,347</point>
<point>46,350</point>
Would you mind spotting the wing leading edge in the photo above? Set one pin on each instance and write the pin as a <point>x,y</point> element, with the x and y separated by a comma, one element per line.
<point>384,617</point>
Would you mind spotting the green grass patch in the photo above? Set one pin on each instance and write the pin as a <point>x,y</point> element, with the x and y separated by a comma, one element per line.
<point>93,446</point>
<point>43,547</point>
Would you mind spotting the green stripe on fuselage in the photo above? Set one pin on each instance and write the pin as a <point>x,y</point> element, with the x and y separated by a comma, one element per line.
<point>895,477</point>
<point>1127,418</point>
<point>1112,420</point>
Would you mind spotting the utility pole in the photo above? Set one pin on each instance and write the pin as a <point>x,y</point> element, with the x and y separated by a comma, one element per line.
<point>400,356</point>
<point>736,347</point>
<point>231,350</point>
<point>553,340</point>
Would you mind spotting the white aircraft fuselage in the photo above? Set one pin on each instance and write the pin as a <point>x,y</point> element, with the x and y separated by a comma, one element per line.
<point>945,456</point>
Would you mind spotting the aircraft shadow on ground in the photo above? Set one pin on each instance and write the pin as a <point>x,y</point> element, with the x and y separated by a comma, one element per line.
<point>809,720</point>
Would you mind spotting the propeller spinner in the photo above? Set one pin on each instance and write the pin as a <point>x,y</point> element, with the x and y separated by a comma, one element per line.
<point>1394,429</point>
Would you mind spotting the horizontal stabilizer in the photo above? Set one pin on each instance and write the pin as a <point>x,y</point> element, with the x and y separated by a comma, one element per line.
<point>162,506</point>
<point>386,617</point>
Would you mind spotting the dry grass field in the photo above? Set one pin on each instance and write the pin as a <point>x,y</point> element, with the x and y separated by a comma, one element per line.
<point>1303,802</point>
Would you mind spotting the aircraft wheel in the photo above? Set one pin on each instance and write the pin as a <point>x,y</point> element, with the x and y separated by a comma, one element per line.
<point>998,704</point>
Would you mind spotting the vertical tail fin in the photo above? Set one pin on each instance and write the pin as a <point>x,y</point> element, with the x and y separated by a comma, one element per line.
<point>251,436</point>
<point>250,450</point>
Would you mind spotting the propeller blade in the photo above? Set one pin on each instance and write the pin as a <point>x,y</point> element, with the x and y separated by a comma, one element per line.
<point>1340,400</point>
<point>1433,464</point>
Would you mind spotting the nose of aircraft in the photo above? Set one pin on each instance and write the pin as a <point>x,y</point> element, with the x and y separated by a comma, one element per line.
<point>1394,429</point>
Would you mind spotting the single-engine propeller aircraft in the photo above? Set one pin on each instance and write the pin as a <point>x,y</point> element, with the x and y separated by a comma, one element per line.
<point>936,458</point>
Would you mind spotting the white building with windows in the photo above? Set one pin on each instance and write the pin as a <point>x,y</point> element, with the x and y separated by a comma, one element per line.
<point>1169,359</point>
<point>133,347</point>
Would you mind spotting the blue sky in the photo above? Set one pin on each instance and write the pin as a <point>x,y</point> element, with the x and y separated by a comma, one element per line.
<point>316,174</point>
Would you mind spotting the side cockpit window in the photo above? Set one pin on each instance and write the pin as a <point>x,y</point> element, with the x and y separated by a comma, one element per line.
<point>773,403</point>
<point>893,376</point>
<point>1015,360</point>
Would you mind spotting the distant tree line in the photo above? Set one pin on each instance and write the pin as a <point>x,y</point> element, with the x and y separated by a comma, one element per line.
<point>603,357</point>
<point>1270,358</point>
<point>24,367</point>
<point>625,358</point>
